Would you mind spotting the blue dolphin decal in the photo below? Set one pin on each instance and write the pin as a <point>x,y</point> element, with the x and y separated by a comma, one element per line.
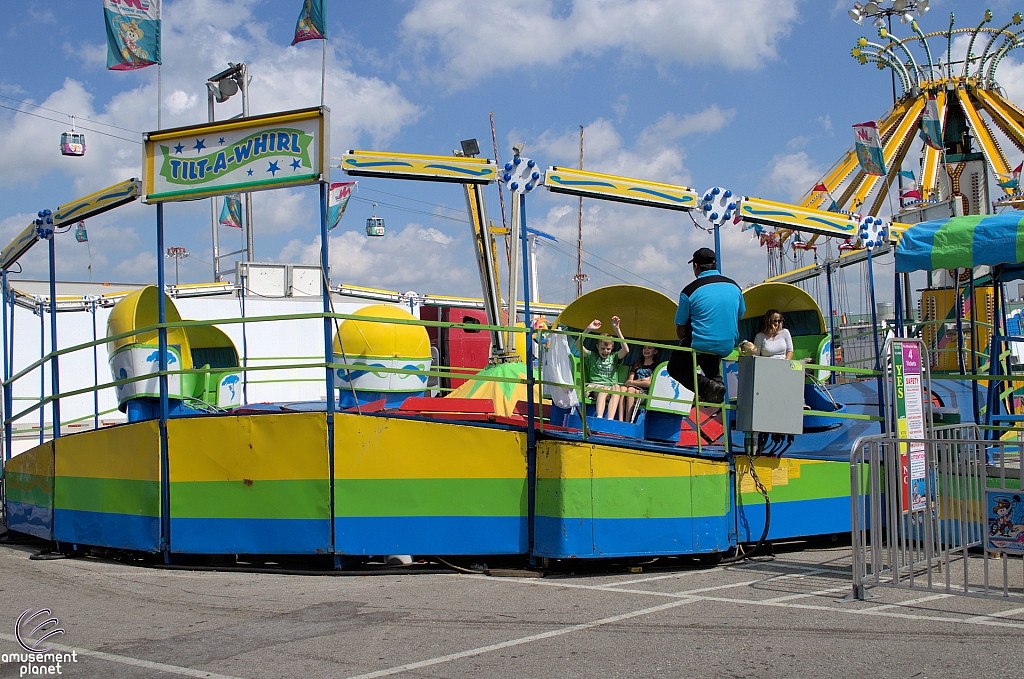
<point>230,381</point>
<point>155,356</point>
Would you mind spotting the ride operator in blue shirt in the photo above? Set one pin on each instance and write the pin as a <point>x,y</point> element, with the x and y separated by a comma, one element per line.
<point>707,320</point>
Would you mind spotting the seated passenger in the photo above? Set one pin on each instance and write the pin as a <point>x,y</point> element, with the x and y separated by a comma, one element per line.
<point>773,341</point>
<point>639,379</point>
<point>600,369</point>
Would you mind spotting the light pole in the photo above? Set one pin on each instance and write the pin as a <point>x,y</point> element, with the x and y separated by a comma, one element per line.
<point>882,16</point>
<point>220,88</point>
<point>904,9</point>
<point>177,254</point>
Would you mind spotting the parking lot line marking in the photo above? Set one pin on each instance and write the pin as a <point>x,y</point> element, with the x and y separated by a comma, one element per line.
<point>977,620</point>
<point>909,602</point>
<point>1000,614</point>
<point>128,660</point>
<point>791,597</point>
<point>522,640</point>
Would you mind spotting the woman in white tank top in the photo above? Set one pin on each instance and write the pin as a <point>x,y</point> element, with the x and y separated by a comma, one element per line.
<point>774,341</point>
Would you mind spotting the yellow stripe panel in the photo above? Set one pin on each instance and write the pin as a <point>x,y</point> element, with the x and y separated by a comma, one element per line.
<point>131,451</point>
<point>563,460</point>
<point>415,166</point>
<point>256,447</point>
<point>38,461</point>
<point>805,220</point>
<point>386,448</point>
<point>981,133</point>
<point>624,189</point>
<point>569,460</point>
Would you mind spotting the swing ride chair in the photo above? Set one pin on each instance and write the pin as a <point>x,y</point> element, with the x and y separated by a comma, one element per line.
<point>384,466</point>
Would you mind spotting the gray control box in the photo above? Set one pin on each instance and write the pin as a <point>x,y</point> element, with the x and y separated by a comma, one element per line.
<point>770,395</point>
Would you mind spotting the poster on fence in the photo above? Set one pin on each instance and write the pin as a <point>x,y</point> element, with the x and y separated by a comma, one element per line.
<point>1005,521</point>
<point>910,424</point>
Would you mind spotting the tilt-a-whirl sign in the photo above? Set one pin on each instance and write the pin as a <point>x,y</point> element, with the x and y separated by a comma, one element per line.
<point>248,154</point>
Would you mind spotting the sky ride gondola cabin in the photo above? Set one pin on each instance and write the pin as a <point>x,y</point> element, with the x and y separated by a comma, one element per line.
<point>72,143</point>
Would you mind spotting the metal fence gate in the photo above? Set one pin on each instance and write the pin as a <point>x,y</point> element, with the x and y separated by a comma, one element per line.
<point>939,514</point>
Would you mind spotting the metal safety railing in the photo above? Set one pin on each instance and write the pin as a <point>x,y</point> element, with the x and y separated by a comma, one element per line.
<point>940,514</point>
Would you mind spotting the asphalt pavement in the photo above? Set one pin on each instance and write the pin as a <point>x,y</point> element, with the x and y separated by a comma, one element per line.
<point>777,618</point>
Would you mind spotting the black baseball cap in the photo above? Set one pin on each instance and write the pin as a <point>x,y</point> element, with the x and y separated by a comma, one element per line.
<point>703,256</point>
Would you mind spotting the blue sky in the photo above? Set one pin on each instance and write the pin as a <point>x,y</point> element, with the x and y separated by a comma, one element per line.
<point>754,95</point>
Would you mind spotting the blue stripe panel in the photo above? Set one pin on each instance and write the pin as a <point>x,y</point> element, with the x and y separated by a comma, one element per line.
<point>103,529</point>
<point>30,519</point>
<point>995,240</point>
<point>914,252</point>
<point>799,518</point>
<point>250,536</point>
<point>430,535</point>
<point>561,538</point>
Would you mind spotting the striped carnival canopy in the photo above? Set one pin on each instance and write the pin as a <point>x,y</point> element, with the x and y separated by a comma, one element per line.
<point>962,242</point>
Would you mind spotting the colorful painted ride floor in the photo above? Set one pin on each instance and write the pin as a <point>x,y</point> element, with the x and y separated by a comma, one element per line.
<point>774,619</point>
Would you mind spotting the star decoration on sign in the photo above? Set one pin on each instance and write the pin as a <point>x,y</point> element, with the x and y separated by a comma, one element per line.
<point>249,172</point>
<point>179,148</point>
<point>273,169</point>
<point>200,145</point>
<point>296,164</point>
<point>221,140</point>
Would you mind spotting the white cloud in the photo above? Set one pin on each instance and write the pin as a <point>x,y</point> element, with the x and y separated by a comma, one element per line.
<point>655,155</point>
<point>199,37</point>
<point>826,123</point>
<point>475,39</point>
<point>792,175</point>
<point>411,258</point>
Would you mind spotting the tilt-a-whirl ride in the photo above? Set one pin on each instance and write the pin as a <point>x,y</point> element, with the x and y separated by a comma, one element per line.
<point>512,461</point>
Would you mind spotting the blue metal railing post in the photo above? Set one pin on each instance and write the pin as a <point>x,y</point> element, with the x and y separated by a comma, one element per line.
<point>325,286</point>
<point>531,439</point>
<point>95,373</point>
<point>898,304</point>
<point>874,336</point>
<point>831,322</point>
<point>4,412</point>
<point>975,397</point>
<point>9,389</point>
<point>54,362</point>
<point>718,248</point>
<point>161,310</point>
<point>42,371</point>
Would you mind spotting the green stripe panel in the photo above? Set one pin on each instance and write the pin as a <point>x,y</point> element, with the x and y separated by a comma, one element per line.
<point>1020,241</point>
<point>816,481</point>
<point>430,497</point>
<point>952,240</point>
<point>642,497</point>
<point>114,496</point>
<point>258,499</point>
<point>31,489</point>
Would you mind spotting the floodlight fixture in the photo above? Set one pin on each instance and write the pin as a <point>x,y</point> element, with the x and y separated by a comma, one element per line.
<point>470,148</point>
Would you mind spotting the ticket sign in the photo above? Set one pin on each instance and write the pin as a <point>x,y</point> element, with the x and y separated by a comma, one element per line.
<point>910,425</point>
<point>247,154</point>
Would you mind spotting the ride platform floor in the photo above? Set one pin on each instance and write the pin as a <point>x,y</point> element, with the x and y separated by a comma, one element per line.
<point>775,619</point>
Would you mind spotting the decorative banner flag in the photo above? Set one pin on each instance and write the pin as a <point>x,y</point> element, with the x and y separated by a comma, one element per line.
<point>834,207</point>
<point>231,211</point>
<point>337,201</point>
<point>869,149</point>
<point>931,126</point>
<point>81,235</point>
<point>1013,182</point>
<point>312,23</point>
<point>133,33</point>
<point>909,174</point>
